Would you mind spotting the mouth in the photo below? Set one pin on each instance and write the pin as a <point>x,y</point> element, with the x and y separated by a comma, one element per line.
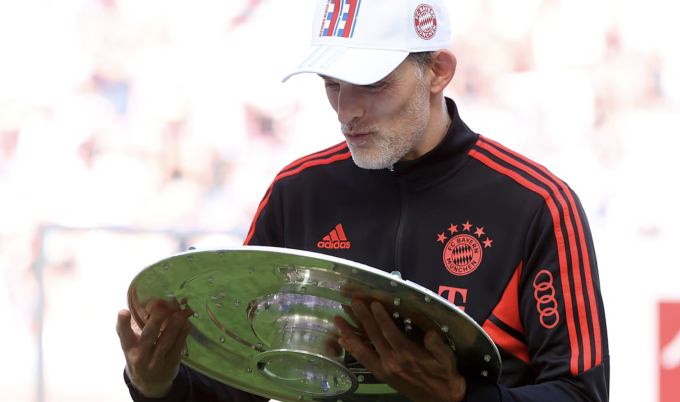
<point>357,138</point>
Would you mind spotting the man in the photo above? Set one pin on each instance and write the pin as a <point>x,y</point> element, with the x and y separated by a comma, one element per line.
<point>492,231</point>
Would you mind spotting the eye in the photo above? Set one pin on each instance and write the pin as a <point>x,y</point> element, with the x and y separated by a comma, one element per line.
<point>375,87</point>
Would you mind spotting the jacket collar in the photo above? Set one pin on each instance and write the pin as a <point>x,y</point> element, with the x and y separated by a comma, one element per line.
<point>445,158</point>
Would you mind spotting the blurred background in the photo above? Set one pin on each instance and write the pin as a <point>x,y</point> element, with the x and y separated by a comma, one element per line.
<point>132,129</point>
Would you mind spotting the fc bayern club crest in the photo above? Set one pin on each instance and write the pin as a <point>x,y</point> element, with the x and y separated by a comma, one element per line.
<point>463,252</point>
<point>425,21</point>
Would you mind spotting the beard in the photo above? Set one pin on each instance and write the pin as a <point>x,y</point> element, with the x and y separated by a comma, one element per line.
<point>388,145</point>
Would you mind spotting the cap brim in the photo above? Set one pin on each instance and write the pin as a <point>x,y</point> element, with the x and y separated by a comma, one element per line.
<point>356,66</point>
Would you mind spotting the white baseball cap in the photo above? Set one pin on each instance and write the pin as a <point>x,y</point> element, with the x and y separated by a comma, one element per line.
<point>363,41</point>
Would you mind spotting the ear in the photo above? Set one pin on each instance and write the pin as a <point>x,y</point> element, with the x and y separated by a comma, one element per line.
<point>443,68</point>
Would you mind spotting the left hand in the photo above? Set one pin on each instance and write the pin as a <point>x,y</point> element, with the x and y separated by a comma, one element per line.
<point>422,374</point>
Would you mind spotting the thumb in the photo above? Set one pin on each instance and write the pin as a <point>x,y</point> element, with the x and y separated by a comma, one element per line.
<point>440,351</point>
<point>127,336</point>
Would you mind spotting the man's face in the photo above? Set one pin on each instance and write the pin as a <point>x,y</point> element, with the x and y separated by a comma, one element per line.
<point>385,121</point>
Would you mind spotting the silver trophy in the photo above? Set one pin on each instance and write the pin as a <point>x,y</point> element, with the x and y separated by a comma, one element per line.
<point>263,320</point>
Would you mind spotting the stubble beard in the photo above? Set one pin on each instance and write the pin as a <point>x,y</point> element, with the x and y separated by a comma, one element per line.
<point>385,147</point>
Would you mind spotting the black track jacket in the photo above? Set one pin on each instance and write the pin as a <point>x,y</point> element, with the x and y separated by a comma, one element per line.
<point>492,231</point>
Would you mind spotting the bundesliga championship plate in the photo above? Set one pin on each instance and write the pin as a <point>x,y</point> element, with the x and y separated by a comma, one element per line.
<point>263,320</point>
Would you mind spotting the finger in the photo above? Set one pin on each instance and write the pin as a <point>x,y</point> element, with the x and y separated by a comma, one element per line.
<point>356,346</point>
<point>174,355</point>
<point>440,351</point>
<point>372,328</point>
<point>127,336</point>
<point>396,339</point>
<point>167,338</point>
<point>150,332</point>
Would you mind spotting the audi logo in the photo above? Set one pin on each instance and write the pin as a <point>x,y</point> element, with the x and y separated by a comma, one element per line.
<point>546,302</point>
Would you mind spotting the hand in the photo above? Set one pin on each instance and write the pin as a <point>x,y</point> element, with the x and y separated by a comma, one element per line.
<point>422,374</point>
<point>153,360</point>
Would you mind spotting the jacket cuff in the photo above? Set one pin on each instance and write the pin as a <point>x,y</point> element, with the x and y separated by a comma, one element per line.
<point>181,388</point>
<point>483,393</point>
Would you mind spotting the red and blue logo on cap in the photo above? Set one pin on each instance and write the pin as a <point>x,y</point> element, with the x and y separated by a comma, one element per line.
<point>340,18</point>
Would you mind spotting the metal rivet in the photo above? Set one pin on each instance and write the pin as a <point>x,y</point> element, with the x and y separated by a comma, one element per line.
<point>397,301</point>
<point>218,304</point>
<point>249,370</point>
<point>487,358</point>
<point>343,282</point>
<point>251,270</point>
<point>395,315</point>
<point>192,248</point>
<point>303,289</point>
<point>171,295</point>
<point>214,297</point>
<point>223,294</point>
<point>360,378</point>
<point>445,328</point>
<point>393,284</point>
<point>355,271</point>
<point>195,313</point>
<point>315,283</point>
<point>300,397</point>
<point>407,321</point>
<point>166,266</point>
<point>190,258</point>
<point>485,373</point>
<point>221,254</point>
<point>286,279</point>
<point>408,327</point>
<point>260,345</point>
<point>428,298</point>
<point>146,317</point>
<point>237,303</point>
<point>396,273</point>
<point>222,339</point>
<point>210,279</point>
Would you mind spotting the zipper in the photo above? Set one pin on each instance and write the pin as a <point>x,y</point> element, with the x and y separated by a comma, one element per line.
<point>400,228</point>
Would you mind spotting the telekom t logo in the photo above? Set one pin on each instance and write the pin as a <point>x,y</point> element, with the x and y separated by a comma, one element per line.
<point>340,18</point>
<point>452,293</point>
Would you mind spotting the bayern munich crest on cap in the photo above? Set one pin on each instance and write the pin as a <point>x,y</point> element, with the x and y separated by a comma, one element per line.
<point>425,21</point>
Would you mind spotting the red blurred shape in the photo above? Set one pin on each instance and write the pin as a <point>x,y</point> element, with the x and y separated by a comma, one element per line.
<point>669,352</point>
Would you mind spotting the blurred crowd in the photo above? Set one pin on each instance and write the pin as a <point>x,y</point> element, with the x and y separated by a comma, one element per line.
<point>169,115</point>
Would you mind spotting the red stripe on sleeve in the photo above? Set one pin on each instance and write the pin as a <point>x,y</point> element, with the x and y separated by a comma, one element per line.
<point>564,270</point>
<point>584,250</point>
<point>322,153</point>
<point>507,342</point>
<point>571,236</point>
<point>293,172</point>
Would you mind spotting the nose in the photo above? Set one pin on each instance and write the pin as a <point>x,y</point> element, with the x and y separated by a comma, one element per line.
<point>350,106</point>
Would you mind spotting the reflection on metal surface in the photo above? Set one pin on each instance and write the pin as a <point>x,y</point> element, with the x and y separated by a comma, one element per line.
<point>266,322</point>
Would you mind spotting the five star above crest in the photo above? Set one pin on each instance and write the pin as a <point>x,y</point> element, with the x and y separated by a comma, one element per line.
<point>487,242</point>
<point>466,226</point>
<point>453,229</point>
<point>480,232</point>
<point>441,237</point>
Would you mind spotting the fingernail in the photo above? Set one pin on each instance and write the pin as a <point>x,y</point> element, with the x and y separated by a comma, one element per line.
<point>375,307</point>
<point>356,306</point>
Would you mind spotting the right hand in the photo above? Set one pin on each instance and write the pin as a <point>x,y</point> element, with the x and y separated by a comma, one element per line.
<point>154,353</point>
